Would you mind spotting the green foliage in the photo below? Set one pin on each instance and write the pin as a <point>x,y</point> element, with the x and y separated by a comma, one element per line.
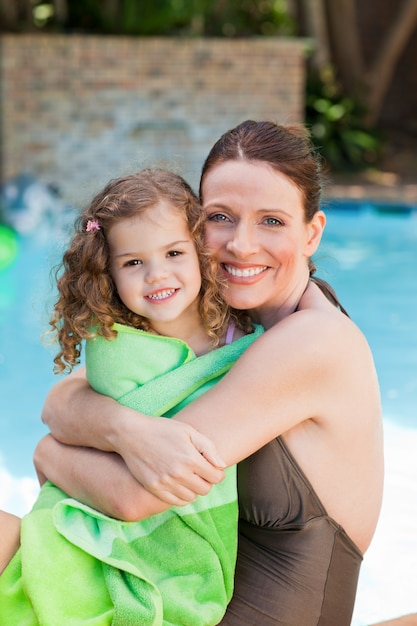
<point>337,126</point>
<point>336,120</point>
<point>208,18</point>
<point>84,17</point>
<point>245,18</point>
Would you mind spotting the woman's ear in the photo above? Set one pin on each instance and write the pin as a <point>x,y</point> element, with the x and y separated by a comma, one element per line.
<point>315,230</point>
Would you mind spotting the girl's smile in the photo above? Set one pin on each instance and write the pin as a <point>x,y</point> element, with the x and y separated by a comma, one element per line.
<point>160,296</point>
<point>155,267</point>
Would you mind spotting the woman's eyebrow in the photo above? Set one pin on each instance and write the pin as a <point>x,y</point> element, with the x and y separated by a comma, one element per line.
<point>217,205</point>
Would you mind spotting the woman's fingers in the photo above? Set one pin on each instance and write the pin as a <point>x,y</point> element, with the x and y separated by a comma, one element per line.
<point>180,495</point>
<point>207,448</point>
<point>171,460</point>
<point>186,479</point>
<point>183,495</point>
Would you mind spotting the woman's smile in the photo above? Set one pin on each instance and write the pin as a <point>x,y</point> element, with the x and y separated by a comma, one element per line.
<point>243,271</point>
<point>256,228</point>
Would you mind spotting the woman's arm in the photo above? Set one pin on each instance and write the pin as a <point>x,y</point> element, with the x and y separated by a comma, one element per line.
<point>99,479</point>
<point>294,366</point>
<point>286,377</point>
<point>173,459</point>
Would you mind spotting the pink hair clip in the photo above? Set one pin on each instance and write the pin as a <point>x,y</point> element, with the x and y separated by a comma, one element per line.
<point>92,225</point>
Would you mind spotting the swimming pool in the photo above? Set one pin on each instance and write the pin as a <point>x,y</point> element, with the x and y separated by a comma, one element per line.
<point>369,255</point>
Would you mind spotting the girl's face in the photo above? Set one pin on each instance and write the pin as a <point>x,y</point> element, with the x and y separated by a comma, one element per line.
<point>155,267</point>
<point>255,225</point>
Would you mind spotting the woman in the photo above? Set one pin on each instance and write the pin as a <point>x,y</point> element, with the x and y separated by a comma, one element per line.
<point>301,406</point>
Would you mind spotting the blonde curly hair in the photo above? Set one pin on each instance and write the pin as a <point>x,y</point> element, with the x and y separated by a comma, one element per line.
<point>88,302</point>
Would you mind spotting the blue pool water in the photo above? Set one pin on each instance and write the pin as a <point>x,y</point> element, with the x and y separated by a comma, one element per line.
<point>370,258</point>
<point>25,362</point>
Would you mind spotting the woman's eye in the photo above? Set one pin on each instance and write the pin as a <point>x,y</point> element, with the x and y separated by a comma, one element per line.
<point>272,221</point>
<point>217,217</point>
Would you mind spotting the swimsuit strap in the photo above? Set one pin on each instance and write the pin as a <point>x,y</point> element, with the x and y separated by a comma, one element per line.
<point>230,332</point>
<point>305,289</point>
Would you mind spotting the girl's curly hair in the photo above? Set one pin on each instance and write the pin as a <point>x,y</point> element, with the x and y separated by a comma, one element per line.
<point>88,302</point>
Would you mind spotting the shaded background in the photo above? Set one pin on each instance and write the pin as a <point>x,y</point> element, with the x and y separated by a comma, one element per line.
<point>93,88</point>
<point>89,86</point>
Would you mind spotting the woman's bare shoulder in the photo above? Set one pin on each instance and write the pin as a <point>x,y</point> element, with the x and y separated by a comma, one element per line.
<point>315,324</point>
<point>313,347</point>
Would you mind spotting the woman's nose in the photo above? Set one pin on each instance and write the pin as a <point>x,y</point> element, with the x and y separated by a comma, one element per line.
<point>244,242</point>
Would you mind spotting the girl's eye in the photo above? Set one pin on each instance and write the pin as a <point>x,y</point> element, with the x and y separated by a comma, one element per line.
<point>133,262</point>
<point>173,253</point>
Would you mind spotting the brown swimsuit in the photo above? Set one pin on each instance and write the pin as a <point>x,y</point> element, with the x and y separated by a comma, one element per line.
<point>296,566</point>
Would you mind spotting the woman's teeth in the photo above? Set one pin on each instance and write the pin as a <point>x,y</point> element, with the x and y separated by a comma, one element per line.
<point>247,271</point>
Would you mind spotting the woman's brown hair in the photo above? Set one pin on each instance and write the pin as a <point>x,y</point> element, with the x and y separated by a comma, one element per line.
<point>287,149</point>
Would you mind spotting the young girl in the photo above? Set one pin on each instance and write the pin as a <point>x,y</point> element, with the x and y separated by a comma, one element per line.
<point>137,258</point>
<point>138,285</point>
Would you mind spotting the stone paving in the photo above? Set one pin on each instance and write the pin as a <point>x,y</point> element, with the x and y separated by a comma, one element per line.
<point>382,186</point>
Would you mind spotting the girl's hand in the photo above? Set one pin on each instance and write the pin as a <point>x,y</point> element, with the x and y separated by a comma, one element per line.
<point>171,459</point>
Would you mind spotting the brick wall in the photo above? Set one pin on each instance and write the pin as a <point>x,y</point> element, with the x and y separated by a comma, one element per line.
<point>78,110</point>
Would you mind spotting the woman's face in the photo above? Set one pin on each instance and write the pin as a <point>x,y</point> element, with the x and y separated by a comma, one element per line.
<point>256,226</point>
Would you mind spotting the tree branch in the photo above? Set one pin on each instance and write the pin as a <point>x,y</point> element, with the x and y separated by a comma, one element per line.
<point>380,74</point>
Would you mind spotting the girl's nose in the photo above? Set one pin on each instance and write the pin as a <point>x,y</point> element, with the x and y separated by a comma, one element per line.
<point>156,272</point>
<point>244,242</point>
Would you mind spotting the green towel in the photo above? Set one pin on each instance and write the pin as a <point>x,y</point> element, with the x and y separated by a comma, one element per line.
<point>77,566</point>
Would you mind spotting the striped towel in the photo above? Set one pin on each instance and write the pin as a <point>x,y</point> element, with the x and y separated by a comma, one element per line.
<point>78,566</point>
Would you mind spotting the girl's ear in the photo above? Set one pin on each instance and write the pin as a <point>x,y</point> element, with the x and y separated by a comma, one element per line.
<point>315,230</point>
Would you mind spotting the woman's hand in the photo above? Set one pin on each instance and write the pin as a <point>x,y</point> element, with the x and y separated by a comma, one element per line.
<point>99,479</point>
<point>171,459</point>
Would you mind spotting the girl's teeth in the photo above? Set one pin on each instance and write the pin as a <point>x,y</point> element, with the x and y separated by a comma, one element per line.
<point>249,271</point>
<point>161,295</point>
